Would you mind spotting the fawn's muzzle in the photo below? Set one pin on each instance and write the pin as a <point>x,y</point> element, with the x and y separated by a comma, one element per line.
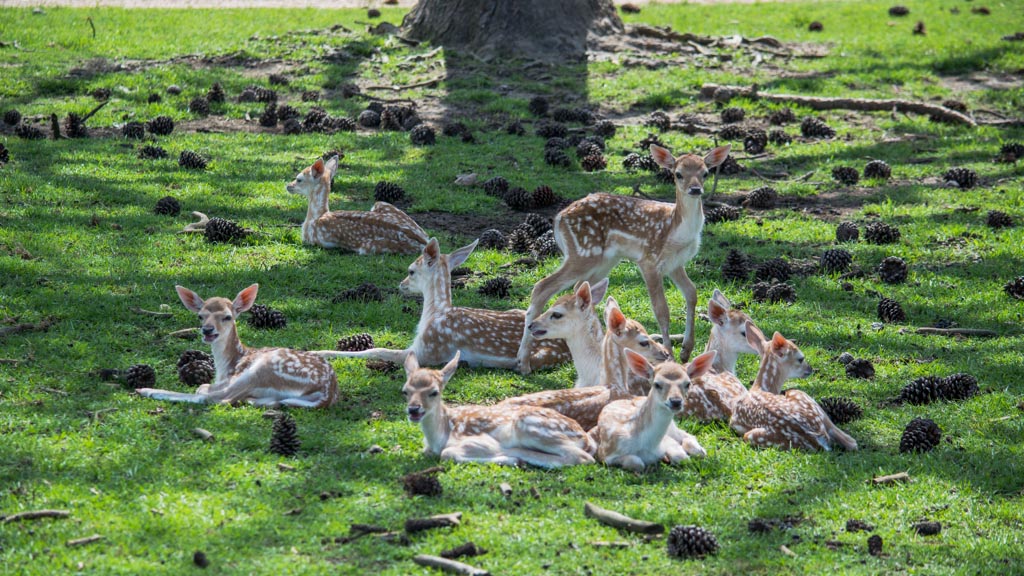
<point>676,404</point>
<point>415,413</point>
<point>695,191</point>
<point>537,332</point>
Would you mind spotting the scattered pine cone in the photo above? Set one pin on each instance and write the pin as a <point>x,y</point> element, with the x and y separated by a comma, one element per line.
<point>844,358</point>
<point>607,129</point>
<point>730,166</point>
<point>515,129</point>
<point>140,376</point>
<point>12,117</point>
<point>291,126</point>
<point>836,260</point>
<point>161,125</point>
<point>413,120</point>
<point>760,291</point>
<point>891,311</point>
<point>28,132</point>
<point>197,373</point>
<point>691,542</point>
<point>724,213</point>
<point>634,161</point>
<point>959,386</point>
<point>135,130</point>
<point>899,11</point>
<point>557,157</point>
<point>816,26</point>
<point>893,270</point>
<point>538,224</point>
<point>845,175</point>
<point>215,93</point>
<point>520,239</point>
<point>423,135</point>
<point>860,368</point>
<point>732,132</point>
<point>168,205</point>
<point>840,410</point>
<point>366,292</point>
<point>221,230</point>
<point>997,219</point>
<point>192,356</point>
<point>284,439</point>
<point>775,269</point>
<point>266,318</point>
<point>496,287</point>
<point>923,390</point>
<point>733,114</point>
<point>417,484</point>
<point>518,199</point>
<point>545,246</point>
<point>262,94</point>
<point>154,98</point>
<point>492,239</point>
<point>544,196</point>
<point>1015,288</point>
<point>556,143</point>
<point>781,292</point>
<point>881,233</point>
<point>763,198</point>
<point>286,112</point>
<point>928,528</point>
<point>779,137</point>
<point>781,117</point>
<point>268,119</point>
<point>369,119</point>
<point>199,106</point>
<point>586,148</point>
<point>5,155</point>
<point>965,178</point>
<point>812,127</point>
<point>877,169</point>
<point>593,163</point>
<point>278,80</point>
<point>736,267</point>
<point>658,119</point>
<point>496,186</point>
<point>921,435</point>
<point>382,366</point>
<point>355,343</point>
<point>847,232</point>
<point>755,141</point>
<point>152,153</point>
<point>74,126</point>
<point>875,545</point>
<point>548,129</point>
<point>386,191</point>
<point>1009,152</point>
<point>538,105</point>
<point>191,160</point>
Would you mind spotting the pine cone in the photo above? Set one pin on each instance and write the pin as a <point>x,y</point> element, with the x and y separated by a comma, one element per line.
<point>890,311</point>
<point>291,126</point>
<point>413,120</point>
<point>423,135</point>
<point>733,114</point>
<point>538,105</point>
<point>367,292</point>
<point>634,161</point>
<point>315,119</point>
<point>732,132</point>
<point>775,269</point>
<point>877,169</point>
<point>545,246</point>
<point>781,117</point>
<point>191,160</point>
<point>593,163</point>
<point>284,439</point>
<point>382,366</point>
<point>844,358</point>
<point>393,117</point>
<point>860,368</point>
<point>28,132</point>
<point>556,157</point>
<point>193,356</point>
<point>763,198</point>
<point>263,94</point>
<point>520,239</point>
<point>152,153</point>
<point>135,130</point>
<point>847,232</point>
<point>215,93</point>
<point>564,115</point>
<point>168,205</point>
<point>548,129</point>
<point>812,127</point>
<point>74,126</point>
<point>816,26</point>
<point>724,213</point>
<point>221,230</point>
<point>691,542</point>
<point>496,187</point>
<point>12,117</point>
<point>5,155</point>
<point>266,318</point>
<point>197,373</point>
<point>544,196</point>
<point>840,410</point>
<point>369,119</point>
<point>278,80</point>
<point>755,141</point>
<point>760,291</point>
<point>518,199</point>
<point>492,239</point>
<point>556,144</point>
<point>538,224</point>
<point>199,106</point>
<point>845,175</point>
<point>658,119</point>
<point>959,387</point>
<point>881,233</point>
<point>730,166</point>
<point>997,219</point>
<point>386,191</point>
<point>161,125</point>
<point>921,435</point>
<point>963,177</point>
<point>735,267</point>
<point>836,260</point>
<point>140,376</point>
<point>154,98</point>
<point>607,129</point>
<point>268,119</point>
<point>515,129</point>
<point>1009,152</point>
<point>1015,288</point>
<point>355,343</point>
<point>587,148</point>
<point>496,287</point>
<point>892,270</point>
<point>779,137</point>
<point>923,390</point>
<point>422,485</point>
<point>899,11</point>
<point>781,293</point>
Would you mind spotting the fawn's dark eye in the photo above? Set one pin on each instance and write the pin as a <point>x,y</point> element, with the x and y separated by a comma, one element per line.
<point>657,386</point>
<point>679,175</point>
<point>434,394</point>
<point>705,173</point>
<point>645,344</point>
<point>556,315</point>
<point>227,317</point>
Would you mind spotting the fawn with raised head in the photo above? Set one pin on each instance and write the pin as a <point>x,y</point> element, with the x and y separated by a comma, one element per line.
<point>712,396</point>
<point>383,230</point>
<point>596,232</point>
<point>766,417</point>
<point>634,433</point>
<point>584,403</point>
<point>260,376</point>
<point>487,338</point>
<point>496,434</point>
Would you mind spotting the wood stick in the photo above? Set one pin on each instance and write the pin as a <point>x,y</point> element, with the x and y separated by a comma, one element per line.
<point>725,93</point>
<point>196,227</point>
<point>35,515</point>
<point>957,332</point>
<point>95,110</point>
<point>185,333</point>
<point>467,549</point>
<point>450,566</point>
<point>42,326</point>
<point>622,522</point>
<point>84,541</point>
<point>428,82</point>
<point>203,434</point>
<point>138,310</point>
<point>890,479</point>
<point>11,361</point>
<point>440,521</point>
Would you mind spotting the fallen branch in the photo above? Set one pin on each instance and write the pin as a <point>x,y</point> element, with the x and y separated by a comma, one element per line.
<point>617,544</point>
<point>185,333</point>
<point>138,310</point>
<point>440,521</point>
<point>49,390</point>
<point>35,515</point>
<point>720,93</point>
<point>11,361</point>
<point>890,479</point>
<point>467,549</point>
<point>428,82</point>
<point>957,332</point>
<point>203,434</point>
<point>41,326</point>
<point>450,566</point>
<point>94,110</point>
<point>84,541</point>
<point>622,522</point>
<point>196,227</point>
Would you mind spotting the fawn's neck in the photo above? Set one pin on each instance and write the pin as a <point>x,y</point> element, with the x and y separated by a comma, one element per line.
<point>318,197</point>
<point>227,351</point>
<point>437,427</point>
<point>437,297</point>
<point>688,212</point>
<point>585,347</point>
<point>725,360</point>
<point>614,371</point>
<point>651,422</point>
<point>769,375</point>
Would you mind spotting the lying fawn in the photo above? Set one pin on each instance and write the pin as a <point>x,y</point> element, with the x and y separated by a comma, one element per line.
<point>261,376</point>
<point>712,396</point>
<point>766,417</point>
<point>584,404</point>
<point>596,232</point>
<point>383,230</point>
<point>497,434</point>
<point>487,338</point>
<point>634,433</point>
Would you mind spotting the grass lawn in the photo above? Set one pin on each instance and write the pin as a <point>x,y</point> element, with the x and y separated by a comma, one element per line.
<point>80,244</point>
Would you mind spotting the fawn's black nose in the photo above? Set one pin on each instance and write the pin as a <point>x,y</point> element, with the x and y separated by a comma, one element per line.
<point>696,190</point>
<point>207,330</point>
<point>675,403</point>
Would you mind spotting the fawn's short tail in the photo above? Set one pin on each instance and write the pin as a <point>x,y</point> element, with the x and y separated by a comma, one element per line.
<point>844,439</point>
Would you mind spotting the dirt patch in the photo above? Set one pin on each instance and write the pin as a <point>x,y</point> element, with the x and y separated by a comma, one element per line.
<point>470,226</point>
<point>981,81</point>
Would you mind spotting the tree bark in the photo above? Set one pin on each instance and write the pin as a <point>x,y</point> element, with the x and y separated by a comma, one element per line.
<point>552,30</point>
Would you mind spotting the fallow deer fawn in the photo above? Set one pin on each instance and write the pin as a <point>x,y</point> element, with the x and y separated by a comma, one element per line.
<point>584,404</point>
<point>261,376</point>
<point>383,230</point>
<point>633,433</point>
<point>496,434</point>
<point>485,337</point>
<point>765,417</point>
<point>596,232</point>
<point>712,396</point>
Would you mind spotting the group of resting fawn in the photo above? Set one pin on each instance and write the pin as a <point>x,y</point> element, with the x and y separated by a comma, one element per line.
<point>628,391</point>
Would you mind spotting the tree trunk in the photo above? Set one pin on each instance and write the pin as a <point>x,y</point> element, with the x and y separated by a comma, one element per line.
<point>552,30</point>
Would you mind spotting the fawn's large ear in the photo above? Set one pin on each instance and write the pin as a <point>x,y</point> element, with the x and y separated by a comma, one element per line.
<point>190,299</point>
<point>332,166</point>
<point>411,364</point>
<point>755,337</point>
<point>778,340</point>
<point>597,291</point>
<point>449,369</point>
<point>717,156</point>
<point>459,256</point>
<point>245,299</point>
<point>721,299</point>
<point>663,157</point>
<point>431,252</point>
<point>614,319</point>
<point>317,169</point>
<point>583,295</point>
<point>717,313</point>
<point>639,365</point>
<point>701,364</point>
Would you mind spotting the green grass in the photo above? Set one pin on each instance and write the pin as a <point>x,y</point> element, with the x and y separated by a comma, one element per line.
<point>136,475</point>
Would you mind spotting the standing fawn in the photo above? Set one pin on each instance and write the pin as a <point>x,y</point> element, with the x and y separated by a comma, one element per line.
<point>487,338</point>
<point>596,232</point>
<point>496,434</point>
<point>634,433</point>
<point>260,376</point>
<point>383,230</point>
<point>766,417</point>
<point>712,396</point>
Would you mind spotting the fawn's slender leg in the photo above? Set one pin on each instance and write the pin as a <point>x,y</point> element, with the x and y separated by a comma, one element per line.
<point>685,285</point>
<point>542,292</point>
<point>396,356</point>
<point>170,396</point>
<point>656,292</point>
